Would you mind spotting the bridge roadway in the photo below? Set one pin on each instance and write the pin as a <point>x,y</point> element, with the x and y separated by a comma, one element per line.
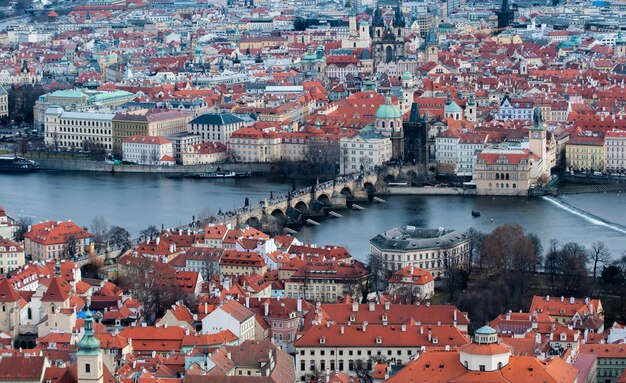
<point>334,194</point>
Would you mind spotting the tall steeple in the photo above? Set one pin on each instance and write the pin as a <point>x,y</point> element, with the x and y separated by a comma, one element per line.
<point>537,119</point>
<point>505,15</point>
<point>89,358</point>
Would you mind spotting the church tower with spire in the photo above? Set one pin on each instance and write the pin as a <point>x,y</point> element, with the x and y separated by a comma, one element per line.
<point>470,109</point>
<point>620,46</point>
<point>537,140</point>
<point>89,358</point>
<point>432,46</point>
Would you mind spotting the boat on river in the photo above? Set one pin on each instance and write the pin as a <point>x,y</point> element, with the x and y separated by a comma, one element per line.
<point>212,175</point>
<point>16,164</point>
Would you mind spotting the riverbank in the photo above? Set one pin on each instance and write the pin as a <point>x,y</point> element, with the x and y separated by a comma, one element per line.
<point>427,191</point>
<point>73,165</point>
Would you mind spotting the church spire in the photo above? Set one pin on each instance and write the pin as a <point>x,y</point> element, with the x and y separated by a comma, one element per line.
<point>537,118</point>
<point>88,344</point>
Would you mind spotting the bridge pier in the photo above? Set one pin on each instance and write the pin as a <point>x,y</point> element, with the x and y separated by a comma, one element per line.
<point>360,195</point>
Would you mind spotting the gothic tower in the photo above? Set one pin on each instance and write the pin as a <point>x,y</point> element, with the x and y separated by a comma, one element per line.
<point>505,15</point>
<point>415,137</point>
<point>537,139</point>
<point>388,33</point>
<point>620,46</point>
<point>432,47</point>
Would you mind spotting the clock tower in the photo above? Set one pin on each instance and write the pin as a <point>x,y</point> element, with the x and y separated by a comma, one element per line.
<point>537,138</point>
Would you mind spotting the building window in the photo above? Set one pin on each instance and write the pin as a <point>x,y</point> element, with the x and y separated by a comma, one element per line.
<point>481,367</point>
<point>87,368</point>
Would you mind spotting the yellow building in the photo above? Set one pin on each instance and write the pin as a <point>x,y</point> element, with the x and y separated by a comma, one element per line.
<point>11,255</point>
<point>584,153</point>
<point>503,172</point>
<point>239,263</point>
<point>147,122</point>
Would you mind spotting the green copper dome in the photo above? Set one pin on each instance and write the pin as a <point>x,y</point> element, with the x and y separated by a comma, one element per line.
<point>407,76</point>
<point>451,106</point>
<point>388,111</point>
<point>486,330</point>
<point>89,343</point>
<point>620,40</point>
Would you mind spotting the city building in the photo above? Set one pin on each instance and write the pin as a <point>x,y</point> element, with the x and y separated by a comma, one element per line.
<point>326,281</point>
<point>614,148</point>
<point>348,348</point>
<point>429,249</point>
<point>484,360</point>
<point>146,122</point>
<point>148,150</point>
<point>4,102</point>
<point>236,263</point>
<point>503,171</point>
<point>48,240</point>
<point>204,153</point>
<point>77,130</point>
<point>254,145</point>
<point>231,316</point>
<point>11,255</point>
<point>584,153</point>
<point>411,282</point>
<point>364,151</point>
<point>215,127</point>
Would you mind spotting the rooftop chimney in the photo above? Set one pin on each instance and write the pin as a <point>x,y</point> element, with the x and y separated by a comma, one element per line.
<point>364,326</point>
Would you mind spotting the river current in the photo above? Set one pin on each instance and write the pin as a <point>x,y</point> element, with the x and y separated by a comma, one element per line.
<point>136,201</point>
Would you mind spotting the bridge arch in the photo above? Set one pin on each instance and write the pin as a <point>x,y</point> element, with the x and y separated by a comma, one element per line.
<point>302,206</point>
<point>254,222</point>
<point>278,214</point>
<point>347,192</point>
<point>389,178</point>
<point>369,187</point>
<point>323,198</point>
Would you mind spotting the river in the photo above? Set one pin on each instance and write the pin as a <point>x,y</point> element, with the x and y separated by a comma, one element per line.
<point>136,201</point>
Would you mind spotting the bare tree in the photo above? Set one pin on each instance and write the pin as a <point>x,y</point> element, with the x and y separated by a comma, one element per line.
<point>152,283</point>
<point>149,232</point>
<point>120,237</point>
<point>551,263</point>
<point>598,254</point>
<point>23,224</point>
<point>99,228</point>
<point>71,247</point>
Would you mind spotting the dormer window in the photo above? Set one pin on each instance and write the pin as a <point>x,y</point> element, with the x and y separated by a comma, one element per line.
<point>322,340</point>
<point>379,340</point>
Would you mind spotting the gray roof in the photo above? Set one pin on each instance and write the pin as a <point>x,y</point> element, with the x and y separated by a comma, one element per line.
<point>412,238</point>
<point>216,119</point>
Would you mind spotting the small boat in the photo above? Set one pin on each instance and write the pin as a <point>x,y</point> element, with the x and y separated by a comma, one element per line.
<point>221,175</point>
<point>17,165</point>
<point>475,213</point>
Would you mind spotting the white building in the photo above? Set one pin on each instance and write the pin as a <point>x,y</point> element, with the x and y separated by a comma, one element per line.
<point>615,150</point>
<point>148,150</point>
<point>231,316</point>
<point>459,150</point>
<point>77,129</point>
<point>215,127</point>
<point>516,109</point>
<point>364,151</point>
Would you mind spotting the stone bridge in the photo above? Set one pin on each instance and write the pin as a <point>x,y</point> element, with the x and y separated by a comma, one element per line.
<point>314,200</point>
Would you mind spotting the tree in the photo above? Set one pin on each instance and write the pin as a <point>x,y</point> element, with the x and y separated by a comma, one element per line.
<point>572,268</point>
<point>71,247</point>
<point>598,254</point>
<point>23,225</point>
<point>510,257</point>
<point>378,273</point>
<point>119,237</point>
<point>455,276</point>
<point>149,232</point>
<point>152,283</point>
<point>477,239</point>
<point>99,228</point>
<point>551,263</point>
